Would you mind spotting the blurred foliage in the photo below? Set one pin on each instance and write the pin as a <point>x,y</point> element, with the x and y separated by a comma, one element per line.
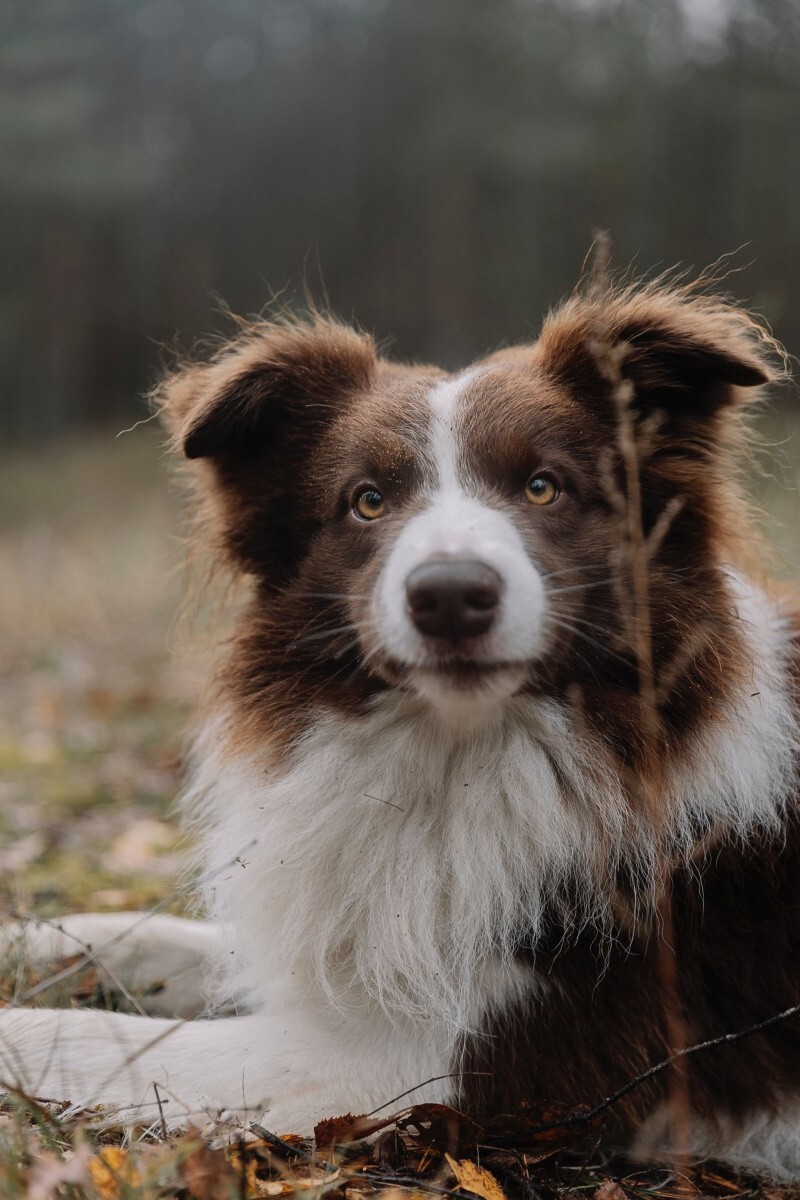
<point>433,168</point>
<point>92,704</point>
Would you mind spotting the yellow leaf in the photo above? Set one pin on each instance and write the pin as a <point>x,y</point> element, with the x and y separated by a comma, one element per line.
<point>110,1170</point>
<point>475,1179</point>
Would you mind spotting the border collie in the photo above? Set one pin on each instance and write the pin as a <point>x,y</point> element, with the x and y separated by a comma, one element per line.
<point>506,676</point>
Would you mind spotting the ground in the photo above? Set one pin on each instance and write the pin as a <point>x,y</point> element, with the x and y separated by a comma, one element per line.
<point>95,688</point>
<point>94,692</point>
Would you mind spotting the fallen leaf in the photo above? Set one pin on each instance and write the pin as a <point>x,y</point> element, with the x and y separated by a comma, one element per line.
<point>475,1179</point>
<point>112,1173</point>
<point>610,1190</point>
<point>340,1131</point>
<point>540,1130</point>
<point>292,1139</point>
<point>50,1171</point>
<point>439,1128</point>
<point>208,1175</point>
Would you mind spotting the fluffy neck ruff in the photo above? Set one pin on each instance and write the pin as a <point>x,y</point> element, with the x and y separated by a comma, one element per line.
<point>393,858</point>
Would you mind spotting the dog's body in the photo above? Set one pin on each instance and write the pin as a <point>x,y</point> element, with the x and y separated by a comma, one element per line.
<point>460,751</point>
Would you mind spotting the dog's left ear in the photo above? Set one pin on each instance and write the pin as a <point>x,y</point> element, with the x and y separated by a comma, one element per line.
<point>687,355</point>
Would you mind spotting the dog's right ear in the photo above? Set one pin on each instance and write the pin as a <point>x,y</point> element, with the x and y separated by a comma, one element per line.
<point>254,415</point>
<point>274,381</point>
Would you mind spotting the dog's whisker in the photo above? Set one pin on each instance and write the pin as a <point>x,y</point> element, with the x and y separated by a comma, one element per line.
<point>346,649</point>
<point>589,622</point>
<point>579,587</point>
<point>333,595</point>
<point>322,633</point>
<point>580,568</point>
<point>580,633</point>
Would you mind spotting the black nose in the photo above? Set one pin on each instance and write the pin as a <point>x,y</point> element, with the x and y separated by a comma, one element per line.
<point>453,599</point>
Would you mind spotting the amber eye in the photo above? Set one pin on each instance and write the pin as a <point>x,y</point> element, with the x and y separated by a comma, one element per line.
<point>369,504</point>
<point>541,489</point>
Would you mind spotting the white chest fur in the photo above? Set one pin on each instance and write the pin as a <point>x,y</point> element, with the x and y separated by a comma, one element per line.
<point>396,856</point>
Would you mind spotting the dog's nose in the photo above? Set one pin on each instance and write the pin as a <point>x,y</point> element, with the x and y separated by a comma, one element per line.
<point>453,599</point>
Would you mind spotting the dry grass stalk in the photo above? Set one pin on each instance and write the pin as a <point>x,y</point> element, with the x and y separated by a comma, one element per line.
<point>630,571</point>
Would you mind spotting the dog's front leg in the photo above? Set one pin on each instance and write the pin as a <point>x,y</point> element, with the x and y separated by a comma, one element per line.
<point>286,1070</point>
<point>164,961</point>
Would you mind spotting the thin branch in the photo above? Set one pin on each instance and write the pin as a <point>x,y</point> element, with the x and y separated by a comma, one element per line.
<point>724,1039</point>
<point>277,1143</point>
<point>162,1120</point>
<point>417,1086</point>
<point>662,524</point>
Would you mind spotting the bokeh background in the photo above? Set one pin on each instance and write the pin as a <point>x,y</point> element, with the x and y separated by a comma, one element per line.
<point>433,168</point>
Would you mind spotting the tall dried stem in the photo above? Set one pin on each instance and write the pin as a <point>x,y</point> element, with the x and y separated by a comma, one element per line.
<point>631,573</point>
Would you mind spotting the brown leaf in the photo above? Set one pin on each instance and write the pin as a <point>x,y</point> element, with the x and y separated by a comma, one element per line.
<point>439,1128</point>
<point>523,1130</point>
<point>610,1190</point>
<point>207,1174</point>
<point>475,1179</point>
<point>292,1139</point>
<point>339,1131</point>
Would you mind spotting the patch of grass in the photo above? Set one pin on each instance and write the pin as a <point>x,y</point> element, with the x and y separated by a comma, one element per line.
<point>93,697</point>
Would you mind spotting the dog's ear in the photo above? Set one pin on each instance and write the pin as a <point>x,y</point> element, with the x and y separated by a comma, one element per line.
<point>273,381</point>
<point>254,416</point>
<point>687,355</point>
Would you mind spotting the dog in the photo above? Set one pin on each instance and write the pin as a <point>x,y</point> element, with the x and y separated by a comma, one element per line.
<point>506,679</point>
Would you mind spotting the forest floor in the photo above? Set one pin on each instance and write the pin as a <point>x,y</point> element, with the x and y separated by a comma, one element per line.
<point>95,690</point>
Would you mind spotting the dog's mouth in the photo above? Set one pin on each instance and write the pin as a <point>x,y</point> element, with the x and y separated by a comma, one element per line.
<point>463,685</point>
<point>463,672</point>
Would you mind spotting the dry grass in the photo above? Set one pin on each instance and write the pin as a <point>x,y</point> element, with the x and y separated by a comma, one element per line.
<point>93,697</point>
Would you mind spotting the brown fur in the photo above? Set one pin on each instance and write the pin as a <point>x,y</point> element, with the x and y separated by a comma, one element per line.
<point>737,927</point>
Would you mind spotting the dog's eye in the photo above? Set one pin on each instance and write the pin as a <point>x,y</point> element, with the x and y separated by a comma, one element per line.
<point>369,504</point>
<point>541,489</point>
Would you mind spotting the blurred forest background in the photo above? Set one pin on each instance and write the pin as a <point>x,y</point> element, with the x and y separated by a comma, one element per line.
<point>436,165</point>
<point>433,168</point>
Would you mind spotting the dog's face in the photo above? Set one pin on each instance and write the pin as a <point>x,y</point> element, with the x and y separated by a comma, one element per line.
<point>465,513</point>
<point>459,536</point>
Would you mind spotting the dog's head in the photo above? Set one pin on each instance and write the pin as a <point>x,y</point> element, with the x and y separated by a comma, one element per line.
<point>459,536</point>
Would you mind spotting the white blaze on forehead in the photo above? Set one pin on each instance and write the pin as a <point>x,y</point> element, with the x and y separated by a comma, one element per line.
<point>456,522</point>
<point>443,401</point>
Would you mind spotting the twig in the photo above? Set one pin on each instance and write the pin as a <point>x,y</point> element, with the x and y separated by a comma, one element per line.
<point>381,801</point>
<point>272,1139</point>
<point>162,1121</point>
<point>724,1039</point>
<point>35,1103</point>
<point>417,1086</point>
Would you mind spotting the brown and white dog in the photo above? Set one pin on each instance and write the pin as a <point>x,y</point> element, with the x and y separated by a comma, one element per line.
<point>429,752</point>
